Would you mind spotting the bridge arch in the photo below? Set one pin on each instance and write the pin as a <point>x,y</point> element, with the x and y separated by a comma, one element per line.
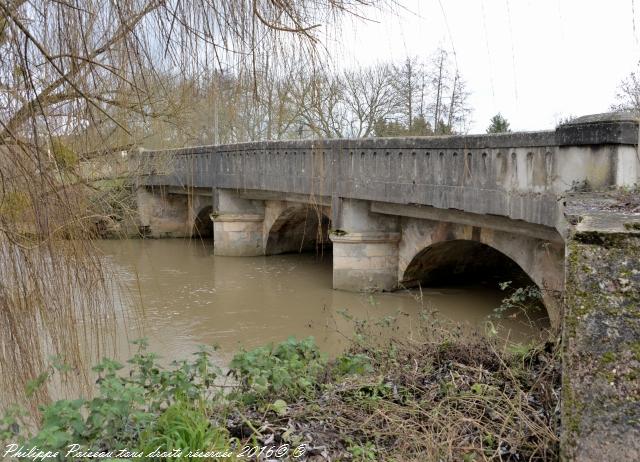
<point>203,224</point>
<point>431,251</point>
<point>295,227</point>
<point>457,261</point>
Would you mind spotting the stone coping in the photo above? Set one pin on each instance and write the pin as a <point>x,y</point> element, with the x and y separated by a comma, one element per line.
<point>603,213</point>
<point>606,128</point>
<point>598,129</point>
<point>234,217</point>
<point>364,238</point>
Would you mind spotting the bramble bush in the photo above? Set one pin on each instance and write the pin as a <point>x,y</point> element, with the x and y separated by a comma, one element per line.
<point>285,370</point>
<point>150,405</point>
<point>406,399</point>
<point>183,407</point>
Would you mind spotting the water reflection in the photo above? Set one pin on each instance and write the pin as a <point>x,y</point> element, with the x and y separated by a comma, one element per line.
<point>181,295</point>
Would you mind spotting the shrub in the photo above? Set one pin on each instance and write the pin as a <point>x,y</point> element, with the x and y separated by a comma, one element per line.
<point>64,156</point>
<point>286,370</point>
<point>148,401</point>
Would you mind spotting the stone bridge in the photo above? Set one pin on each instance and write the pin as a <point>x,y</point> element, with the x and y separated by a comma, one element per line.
<point>404,211</point>
<point>398,211</point>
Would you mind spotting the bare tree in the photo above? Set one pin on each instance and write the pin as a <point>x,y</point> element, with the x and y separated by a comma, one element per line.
<point>369,95</point>
<point>410,88</point>
<point>321,99</point>
<point>439,80</point>
<point>459,111</point>
<point>80,77</point>
<point>628,94</point>
<point>432,99</point>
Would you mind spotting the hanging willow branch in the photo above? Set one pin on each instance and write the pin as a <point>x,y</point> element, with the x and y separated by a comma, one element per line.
<point>82,78</point>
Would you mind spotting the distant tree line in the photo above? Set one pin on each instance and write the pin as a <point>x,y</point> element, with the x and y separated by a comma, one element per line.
<point>297,100</point>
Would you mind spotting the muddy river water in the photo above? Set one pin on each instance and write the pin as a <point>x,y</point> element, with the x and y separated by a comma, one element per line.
<point>179,295</point>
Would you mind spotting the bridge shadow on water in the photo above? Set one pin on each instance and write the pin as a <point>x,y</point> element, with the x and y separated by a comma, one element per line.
<point>466,271</point>
<point>466,263</point>
<point>300,229</point>
<point>203,225</point>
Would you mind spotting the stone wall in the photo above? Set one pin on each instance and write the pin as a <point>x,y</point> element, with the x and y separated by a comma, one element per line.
<point>601,334</point>
<point>163,212</point>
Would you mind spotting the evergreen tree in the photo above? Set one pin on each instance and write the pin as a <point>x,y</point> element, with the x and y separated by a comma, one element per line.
<point>498,124</point>
<point>420,127</point>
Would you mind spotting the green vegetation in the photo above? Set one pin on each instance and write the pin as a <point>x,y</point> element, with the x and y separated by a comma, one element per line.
<point>498,124</point>
<point>287,370</point>
<point>522,301</point>
<point>14,204</point>
<point>64,156</point>
<point>382,400</point>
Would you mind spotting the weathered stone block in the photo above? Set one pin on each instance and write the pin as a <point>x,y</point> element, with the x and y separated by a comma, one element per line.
<point>365,280</point>
<point>365,262</point>
<point>601,348</point>
<point>234,226</point>
<point>381,250</point>
<point>238,235</point>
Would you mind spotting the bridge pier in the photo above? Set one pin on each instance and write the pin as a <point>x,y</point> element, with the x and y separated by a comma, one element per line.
<point>167,212</point>
<point>237,225</point>
<point>365,250</point>
<point>238,235</point>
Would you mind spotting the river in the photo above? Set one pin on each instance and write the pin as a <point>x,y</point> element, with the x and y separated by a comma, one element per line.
<point>179,295</point>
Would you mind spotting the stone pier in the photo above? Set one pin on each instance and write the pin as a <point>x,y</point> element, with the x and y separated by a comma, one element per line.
<point>365,249</point>
<point>238,225</point>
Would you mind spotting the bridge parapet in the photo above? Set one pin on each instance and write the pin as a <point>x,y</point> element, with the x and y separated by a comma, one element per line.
<point>515,175</point>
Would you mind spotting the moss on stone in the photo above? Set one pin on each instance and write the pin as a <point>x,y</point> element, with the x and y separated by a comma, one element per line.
<point>601,239</point>
<point>600,350</point>
<point>635,350</point>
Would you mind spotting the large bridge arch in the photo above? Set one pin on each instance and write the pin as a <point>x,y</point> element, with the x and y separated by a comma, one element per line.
<point>428,246</point>
<point>295,227</point>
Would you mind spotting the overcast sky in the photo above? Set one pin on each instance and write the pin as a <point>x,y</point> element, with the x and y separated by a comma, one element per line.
<point>533,61</point>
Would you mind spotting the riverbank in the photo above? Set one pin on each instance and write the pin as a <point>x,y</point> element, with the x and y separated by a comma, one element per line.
<point>435,398</point>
